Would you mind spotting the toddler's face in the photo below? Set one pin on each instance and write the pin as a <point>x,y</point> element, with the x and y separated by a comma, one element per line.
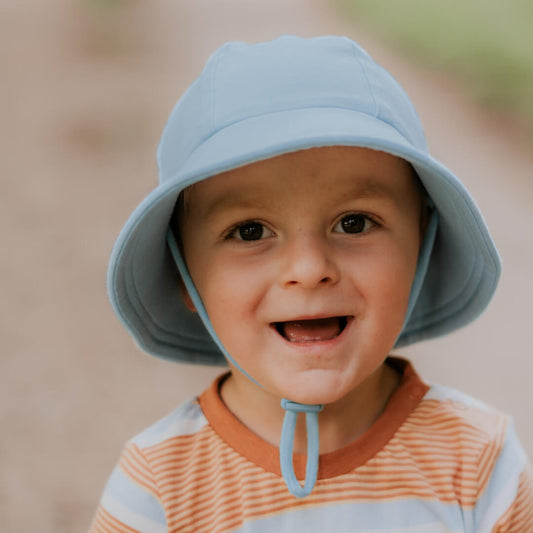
<point>304,263</point>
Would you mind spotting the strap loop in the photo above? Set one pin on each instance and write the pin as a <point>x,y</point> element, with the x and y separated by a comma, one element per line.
<point>287,445</point>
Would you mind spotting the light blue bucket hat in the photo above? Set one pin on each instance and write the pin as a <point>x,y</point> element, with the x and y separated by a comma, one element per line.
<point>253,102</point>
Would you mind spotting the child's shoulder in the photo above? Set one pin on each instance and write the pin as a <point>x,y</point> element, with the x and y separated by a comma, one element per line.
<point>188,419</point>
<point>452,436</point>
<point>449,411</point>
<point>448,425</point>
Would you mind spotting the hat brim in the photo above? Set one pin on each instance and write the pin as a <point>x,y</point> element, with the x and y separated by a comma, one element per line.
<point>143,283</point>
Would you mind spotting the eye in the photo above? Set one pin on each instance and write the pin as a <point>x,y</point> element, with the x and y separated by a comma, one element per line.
<point>354,223</point>
<point>250,231</point>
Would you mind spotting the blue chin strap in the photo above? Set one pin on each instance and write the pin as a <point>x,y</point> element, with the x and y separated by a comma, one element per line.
<point>424,255</point>
<point>292,409</point>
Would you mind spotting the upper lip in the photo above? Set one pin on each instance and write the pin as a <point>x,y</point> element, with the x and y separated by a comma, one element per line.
<point>303,318</point>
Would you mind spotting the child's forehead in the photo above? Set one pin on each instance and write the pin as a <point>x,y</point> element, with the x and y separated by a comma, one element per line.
<point>334,171</point>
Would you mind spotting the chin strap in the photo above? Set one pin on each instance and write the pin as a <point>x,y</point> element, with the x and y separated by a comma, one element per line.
<point>424,255</point>
<point>287,444</point>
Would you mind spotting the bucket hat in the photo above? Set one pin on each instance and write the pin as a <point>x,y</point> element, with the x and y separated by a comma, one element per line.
<point>256,101</point>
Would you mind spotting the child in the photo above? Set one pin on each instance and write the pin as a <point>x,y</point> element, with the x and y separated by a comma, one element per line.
<point>312,232</point>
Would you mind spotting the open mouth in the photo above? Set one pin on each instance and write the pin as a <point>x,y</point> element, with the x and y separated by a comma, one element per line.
<point>315,330</point>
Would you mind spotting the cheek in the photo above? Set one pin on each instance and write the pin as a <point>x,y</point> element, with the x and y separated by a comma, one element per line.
<point>389,277</point>
<point>231,290</point>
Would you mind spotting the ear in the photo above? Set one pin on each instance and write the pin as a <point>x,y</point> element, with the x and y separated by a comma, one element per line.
<point>187,300</point>
<point>425,215</point>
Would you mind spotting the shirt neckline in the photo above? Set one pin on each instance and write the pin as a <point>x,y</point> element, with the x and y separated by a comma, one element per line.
<point>402,402</point>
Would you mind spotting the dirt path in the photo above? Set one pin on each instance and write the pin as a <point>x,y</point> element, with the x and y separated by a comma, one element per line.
<point>84,101</point>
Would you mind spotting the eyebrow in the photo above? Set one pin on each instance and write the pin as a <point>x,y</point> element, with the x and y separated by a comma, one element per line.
<point>371,188</point>
<point>232,201</point>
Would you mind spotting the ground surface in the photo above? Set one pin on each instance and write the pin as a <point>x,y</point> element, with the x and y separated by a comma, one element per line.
<point>84,99</point>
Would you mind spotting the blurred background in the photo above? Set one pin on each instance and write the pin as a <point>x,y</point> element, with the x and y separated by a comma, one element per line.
<point>87,86</point>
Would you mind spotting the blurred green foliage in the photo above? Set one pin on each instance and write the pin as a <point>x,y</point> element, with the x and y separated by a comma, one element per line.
<point>108,27</point>
<point>489,43</point>
<point>106,4</point>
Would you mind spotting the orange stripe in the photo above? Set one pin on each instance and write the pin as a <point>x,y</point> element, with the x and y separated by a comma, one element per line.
<point>135,456</point>
<point>519,517</point>
<point>180,456</point>
<point>131,471</point>
<point>487,462</point>
<point>134,467</point>
<point>522,518</point>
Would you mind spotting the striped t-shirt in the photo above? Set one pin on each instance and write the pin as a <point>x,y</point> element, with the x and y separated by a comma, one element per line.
<point>435,461</point>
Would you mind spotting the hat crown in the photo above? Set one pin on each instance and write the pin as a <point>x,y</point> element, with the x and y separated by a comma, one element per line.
<point>242,81</point>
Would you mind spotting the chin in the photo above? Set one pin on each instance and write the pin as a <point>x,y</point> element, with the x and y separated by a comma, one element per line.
<point>322,386</point>
<point>315,397</point>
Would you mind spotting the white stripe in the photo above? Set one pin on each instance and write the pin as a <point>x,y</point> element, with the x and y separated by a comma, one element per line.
<point>498,507</point>
<point>130,518</point>
<point>425,528</point>
<point>510,464</point>
<point>442,393</point>
<point>186,420</point>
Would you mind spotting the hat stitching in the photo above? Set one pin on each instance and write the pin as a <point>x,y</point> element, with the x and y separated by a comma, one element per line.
<point>365,75</point>
<point>212,80</point>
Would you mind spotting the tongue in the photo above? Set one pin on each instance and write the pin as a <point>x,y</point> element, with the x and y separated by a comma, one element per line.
<point>311,330</point>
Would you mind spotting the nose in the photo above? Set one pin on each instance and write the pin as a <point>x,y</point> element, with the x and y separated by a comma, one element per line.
<point>308,262</point>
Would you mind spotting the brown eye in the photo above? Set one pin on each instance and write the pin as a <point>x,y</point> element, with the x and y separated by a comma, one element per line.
<point>251,231</point>
<point>353,224</point>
